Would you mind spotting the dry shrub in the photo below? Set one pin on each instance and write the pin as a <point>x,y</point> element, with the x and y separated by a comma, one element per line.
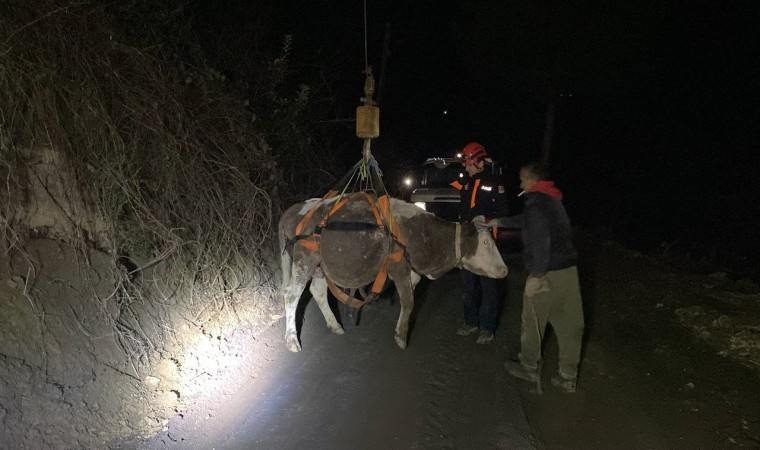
<point>160,152</point>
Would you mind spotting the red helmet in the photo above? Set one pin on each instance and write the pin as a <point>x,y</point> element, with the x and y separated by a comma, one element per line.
<point>475,152</point>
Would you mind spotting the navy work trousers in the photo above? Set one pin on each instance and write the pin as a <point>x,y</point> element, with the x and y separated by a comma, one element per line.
<point>483,312</point>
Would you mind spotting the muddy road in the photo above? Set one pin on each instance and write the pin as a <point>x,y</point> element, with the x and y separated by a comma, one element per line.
<point>644,383</point>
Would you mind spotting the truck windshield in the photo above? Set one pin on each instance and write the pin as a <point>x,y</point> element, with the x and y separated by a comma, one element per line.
<point>439,178</point>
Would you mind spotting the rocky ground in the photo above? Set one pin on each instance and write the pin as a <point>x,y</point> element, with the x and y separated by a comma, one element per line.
<point>673,354</point>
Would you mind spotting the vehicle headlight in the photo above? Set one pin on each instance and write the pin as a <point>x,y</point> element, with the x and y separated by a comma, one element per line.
<point>420,205</point>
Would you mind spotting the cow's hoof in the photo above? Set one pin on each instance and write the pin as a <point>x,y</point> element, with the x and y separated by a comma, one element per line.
<point>293,344</point>
<point>401,342</point>
<point>337,330</point>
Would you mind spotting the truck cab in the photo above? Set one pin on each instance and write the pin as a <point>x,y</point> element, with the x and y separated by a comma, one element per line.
<point>434,192</point>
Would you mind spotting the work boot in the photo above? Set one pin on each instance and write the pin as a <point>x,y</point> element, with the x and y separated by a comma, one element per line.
<point>466,330</point>
<point>565,384</point>
<point>519,370</point>
<point>485,337</point>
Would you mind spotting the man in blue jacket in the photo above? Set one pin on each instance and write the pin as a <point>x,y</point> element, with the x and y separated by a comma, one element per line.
<point>552,292</point>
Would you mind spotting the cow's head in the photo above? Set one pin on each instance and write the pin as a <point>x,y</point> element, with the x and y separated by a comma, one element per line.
<point>479,253</point>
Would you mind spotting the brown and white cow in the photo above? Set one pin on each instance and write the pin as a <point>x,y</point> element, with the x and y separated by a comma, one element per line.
<point>352,249</point>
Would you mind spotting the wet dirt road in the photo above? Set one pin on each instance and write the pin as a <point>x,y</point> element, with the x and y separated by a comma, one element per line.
<point>360,390</point>
<point>644,383</point>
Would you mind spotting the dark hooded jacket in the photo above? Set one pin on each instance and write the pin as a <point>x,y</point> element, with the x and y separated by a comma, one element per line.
<point>546,230</point>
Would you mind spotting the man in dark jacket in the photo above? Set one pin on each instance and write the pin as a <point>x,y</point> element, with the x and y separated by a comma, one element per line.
<point>482,194</point>
<point>552,292</point>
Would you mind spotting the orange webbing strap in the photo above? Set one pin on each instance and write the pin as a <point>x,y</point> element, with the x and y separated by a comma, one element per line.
<point>385,208</point>
<point>312,244</point>
<point>305,221</point>
<point>382,275</point>
<point>343,297</point>
<point>379,215</point>
<point>385,212</point>
<point>354,302</point>
<point>339,204</point>
<point>474,193</point>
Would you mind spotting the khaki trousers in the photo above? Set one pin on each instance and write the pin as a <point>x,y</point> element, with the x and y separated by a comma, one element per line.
<point>563,309</point>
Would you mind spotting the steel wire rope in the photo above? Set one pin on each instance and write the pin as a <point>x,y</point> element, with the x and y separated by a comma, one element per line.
<point>366,55</point>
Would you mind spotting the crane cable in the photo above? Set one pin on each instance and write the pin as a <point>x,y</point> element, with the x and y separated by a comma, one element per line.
<point>366,57</point>
<point>369,104</point>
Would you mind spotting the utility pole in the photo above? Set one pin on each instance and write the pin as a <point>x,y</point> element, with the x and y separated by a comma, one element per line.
<point>548,134</point>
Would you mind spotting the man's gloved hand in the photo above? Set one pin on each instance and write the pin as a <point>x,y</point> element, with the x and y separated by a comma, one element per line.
<point>480,222</point>
<point>536,285</point>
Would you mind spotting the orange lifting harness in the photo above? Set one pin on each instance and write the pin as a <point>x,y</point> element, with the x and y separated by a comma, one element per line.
<point>367,128</point>
<point>381,210</point>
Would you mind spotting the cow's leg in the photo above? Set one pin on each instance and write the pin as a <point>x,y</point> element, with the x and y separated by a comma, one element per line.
<point>293,284</point>
<point>405,284</point>
<point>318,289</point>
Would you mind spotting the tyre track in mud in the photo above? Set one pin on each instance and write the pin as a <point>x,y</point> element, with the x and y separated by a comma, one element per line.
<point>440,385</point>
<point>469,401</point>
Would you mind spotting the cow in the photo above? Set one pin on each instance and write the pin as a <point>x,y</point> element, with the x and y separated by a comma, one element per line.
<point>353,246</point>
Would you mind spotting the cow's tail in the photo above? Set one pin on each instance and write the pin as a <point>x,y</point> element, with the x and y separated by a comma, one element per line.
<point>287,267</point>
<point>286,264</point>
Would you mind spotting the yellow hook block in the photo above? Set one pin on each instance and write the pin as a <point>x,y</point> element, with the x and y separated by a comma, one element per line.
<point>367,122</point>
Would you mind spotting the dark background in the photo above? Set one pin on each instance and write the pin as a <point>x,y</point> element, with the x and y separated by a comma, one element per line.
<point>656,125</point>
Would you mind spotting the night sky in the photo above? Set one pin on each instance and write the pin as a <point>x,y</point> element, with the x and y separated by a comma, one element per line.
<point>657,123</point>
